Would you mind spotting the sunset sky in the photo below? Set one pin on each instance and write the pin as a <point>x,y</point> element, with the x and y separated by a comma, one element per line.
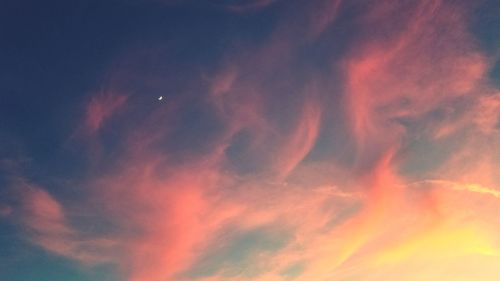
<point>249,140</point>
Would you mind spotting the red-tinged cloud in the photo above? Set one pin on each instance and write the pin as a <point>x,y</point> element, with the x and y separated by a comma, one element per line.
<point>298,159</point>
<point>100,109</point>
<point>5,210</point>
<point>414,70</point>
<point>300,142</point>
<point>161,216</point>
<point>487,114</point>
<point>45,223</point>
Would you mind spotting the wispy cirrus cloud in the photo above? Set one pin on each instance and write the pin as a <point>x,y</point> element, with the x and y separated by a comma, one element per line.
<point>100,109</point>
<point>296,158</point>
<point>45,223</point>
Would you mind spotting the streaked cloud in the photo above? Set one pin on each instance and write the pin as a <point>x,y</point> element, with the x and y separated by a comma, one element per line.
<point>291,158</point>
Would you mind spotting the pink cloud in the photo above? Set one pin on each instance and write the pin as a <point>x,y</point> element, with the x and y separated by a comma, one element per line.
<point>301,140</point>
<point>168,202</point>
<point>100,109</point>
<point>5,210</point>
<point>44,220</point>
<point>413,71</point>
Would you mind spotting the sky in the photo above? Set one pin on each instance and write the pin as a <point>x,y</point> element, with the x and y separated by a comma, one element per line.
<point>259,140</point>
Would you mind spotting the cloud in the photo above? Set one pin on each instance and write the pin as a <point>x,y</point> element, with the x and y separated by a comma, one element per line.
<point>99,109</point>
<point>244,175</point>
<point>415,70</point>
<point>301,140</point>
<point>487,115</point>
<point>5,210</point>
<point>44,221</point>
